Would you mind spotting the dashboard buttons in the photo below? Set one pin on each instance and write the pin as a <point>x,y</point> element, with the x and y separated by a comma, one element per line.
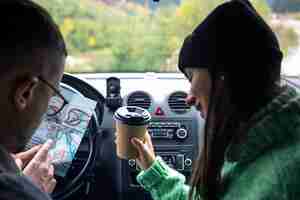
<point>188,162</point>
<point>180,162</point>
<point>169,159</point>
<point>131,163</point>
<point>181,133</point>
<point>168,130</point>
<point>159,111</point>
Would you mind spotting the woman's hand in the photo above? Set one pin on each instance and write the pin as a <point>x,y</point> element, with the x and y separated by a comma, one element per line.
<point>36,164</point>
<point>146,155</point>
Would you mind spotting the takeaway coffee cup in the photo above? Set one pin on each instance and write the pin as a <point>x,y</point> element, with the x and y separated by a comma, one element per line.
<point>131,121</point>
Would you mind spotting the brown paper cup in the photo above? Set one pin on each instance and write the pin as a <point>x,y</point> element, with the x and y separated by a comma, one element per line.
<point>125,148</point>
<point>131,121</point>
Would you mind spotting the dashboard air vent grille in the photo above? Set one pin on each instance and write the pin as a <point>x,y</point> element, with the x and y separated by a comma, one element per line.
<point>140,99</point>
<point>177,102</point>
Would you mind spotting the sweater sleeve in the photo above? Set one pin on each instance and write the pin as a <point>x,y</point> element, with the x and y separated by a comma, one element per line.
<point>163,182</point>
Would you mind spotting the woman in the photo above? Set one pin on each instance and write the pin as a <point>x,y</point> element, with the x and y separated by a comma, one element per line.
<point>252,131</point>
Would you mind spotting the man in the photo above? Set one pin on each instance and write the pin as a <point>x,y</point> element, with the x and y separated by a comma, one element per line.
<point>31,66</point>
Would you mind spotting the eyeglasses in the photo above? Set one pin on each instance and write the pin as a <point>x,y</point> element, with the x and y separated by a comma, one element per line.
<point>57,102</point>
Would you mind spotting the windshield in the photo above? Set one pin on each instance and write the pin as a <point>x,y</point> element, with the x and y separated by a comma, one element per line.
<point>145,36</point>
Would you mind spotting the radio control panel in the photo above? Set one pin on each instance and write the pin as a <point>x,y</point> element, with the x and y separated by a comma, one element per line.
<point>171,132</point>
<point>167,130</point>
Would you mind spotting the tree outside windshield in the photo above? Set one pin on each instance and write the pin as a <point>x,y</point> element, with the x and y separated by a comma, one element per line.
<point>144,36</point>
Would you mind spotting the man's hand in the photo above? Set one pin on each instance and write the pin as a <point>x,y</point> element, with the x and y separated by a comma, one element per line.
<point>146,152</point>
<point>22,159</point>
<point>36,164</point>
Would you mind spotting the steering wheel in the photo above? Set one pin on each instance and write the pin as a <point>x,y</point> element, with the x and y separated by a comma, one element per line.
<point>81,170</point>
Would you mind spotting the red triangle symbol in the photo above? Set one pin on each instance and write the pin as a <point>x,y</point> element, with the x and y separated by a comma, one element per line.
<point>159,111</point>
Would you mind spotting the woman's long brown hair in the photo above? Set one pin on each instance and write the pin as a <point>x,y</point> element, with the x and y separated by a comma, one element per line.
<point>228,107</point>
<point>207,175</point>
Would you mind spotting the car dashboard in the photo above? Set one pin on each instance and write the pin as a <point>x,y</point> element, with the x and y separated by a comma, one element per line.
<point>176,131</point>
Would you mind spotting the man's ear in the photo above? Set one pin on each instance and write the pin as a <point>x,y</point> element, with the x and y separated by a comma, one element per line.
<point>24,93</point>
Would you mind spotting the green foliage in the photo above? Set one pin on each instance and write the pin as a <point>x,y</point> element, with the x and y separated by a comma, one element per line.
<point>128,38</point>
<point>288,38</point>
<point>262,7</point>
<point>191,12</point>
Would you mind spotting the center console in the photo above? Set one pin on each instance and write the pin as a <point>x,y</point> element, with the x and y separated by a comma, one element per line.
<point>175,141</point>
<point>175,127</point>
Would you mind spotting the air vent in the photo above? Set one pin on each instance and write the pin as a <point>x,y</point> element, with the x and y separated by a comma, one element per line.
<point>177,102</point>
<point>140,99</point>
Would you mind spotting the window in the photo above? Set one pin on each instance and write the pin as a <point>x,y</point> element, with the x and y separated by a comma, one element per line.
<point>144,36</point>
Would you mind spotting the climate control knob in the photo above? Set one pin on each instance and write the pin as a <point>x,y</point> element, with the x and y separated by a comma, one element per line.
<point>131,163</point>
<point>181,133</point>
<point>188,162</point>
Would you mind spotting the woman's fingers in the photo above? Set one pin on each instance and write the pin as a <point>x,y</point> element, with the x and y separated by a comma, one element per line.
<point>145,150</point>
<point>139,146</point>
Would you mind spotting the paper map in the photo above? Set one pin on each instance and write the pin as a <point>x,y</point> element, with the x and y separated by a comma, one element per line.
<point>66,130</point>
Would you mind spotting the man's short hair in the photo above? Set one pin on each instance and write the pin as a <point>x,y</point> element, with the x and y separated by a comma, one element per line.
<point>25,28</point>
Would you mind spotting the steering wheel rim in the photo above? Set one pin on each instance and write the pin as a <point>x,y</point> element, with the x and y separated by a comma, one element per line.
<point>88,91</point>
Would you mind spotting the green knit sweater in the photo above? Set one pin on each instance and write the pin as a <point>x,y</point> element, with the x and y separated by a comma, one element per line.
<point>265,167</point>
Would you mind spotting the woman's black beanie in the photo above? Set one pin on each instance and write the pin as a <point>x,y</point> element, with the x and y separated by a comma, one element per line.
<point>232,37</point>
